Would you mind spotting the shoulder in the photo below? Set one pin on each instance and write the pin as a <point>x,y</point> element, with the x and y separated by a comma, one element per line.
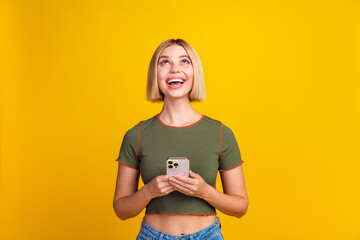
<point>213,122</point>
<point>146,123</point>
<point>132,135</point>
<point>139,126</point>
<point>132,131</point>
<point>227,131</point>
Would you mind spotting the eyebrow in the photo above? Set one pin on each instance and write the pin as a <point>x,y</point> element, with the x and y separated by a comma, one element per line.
<point>179,56</point>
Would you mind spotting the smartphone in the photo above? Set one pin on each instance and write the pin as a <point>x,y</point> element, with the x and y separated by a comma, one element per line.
<point>177,165</point>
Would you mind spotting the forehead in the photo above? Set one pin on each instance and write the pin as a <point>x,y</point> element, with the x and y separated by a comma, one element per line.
<point>174,51</point>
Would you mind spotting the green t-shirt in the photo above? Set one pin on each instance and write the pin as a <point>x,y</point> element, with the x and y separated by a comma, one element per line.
<point>208,144</point>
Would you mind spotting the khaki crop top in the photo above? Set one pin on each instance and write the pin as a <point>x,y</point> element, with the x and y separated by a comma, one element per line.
<point>208,144</point>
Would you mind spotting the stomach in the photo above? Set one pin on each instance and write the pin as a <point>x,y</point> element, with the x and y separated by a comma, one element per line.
<point>179,224</point>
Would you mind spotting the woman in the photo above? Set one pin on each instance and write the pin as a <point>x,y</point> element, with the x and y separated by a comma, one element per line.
<point>178,205</point>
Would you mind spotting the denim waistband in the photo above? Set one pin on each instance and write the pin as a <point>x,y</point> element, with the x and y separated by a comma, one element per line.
<point>202,234</point>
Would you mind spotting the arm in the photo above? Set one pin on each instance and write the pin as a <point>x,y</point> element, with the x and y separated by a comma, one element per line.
<point>234,201</point>
<point>128,200</point>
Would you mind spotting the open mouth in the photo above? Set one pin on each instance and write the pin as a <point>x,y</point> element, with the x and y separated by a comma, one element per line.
<point>175,81</point>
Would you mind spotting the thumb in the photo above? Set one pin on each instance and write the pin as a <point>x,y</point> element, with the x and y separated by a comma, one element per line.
<point>193,175</point>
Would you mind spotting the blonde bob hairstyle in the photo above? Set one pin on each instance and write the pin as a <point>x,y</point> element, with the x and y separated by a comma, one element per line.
<point>197,92</point>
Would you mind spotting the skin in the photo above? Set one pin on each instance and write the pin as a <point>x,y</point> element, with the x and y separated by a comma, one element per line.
<point>177,111</point>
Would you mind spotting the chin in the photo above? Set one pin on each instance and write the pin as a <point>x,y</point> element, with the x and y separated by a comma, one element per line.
<point>177,96</point>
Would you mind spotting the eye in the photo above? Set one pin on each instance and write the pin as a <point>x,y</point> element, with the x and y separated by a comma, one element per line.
<point>163,62</point>
<point>185,60</point>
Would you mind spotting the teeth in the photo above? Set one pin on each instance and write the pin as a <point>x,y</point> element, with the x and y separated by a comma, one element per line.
<point>176,81</point>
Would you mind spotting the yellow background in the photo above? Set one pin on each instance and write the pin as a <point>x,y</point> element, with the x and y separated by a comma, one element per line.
<point>283,75</point>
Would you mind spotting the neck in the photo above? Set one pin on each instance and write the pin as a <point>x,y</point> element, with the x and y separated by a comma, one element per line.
<point>178,112</point>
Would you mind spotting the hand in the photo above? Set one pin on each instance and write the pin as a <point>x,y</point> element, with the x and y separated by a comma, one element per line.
<point>158,186</point>
<point>194,185</point>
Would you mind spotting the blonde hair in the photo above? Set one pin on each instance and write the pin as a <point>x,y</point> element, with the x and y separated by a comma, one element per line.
<point>197,93</point>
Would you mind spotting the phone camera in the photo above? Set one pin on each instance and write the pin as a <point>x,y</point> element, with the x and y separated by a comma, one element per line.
<point>176,164</point>
<point>170,166</point>
<point>170,162</point>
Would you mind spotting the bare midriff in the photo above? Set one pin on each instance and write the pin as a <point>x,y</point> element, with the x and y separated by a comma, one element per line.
<point>179,224</point>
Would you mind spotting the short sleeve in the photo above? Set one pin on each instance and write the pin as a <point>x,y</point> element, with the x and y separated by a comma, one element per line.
<point>128,150</point>
<point>230,153</point>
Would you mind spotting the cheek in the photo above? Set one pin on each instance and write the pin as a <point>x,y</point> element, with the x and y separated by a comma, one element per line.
<point>191,76</point>
<point>190,72</point>
<point>161,83</point>
<point>160,74</point>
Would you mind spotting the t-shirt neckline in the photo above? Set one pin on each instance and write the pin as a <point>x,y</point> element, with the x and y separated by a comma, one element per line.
<point>187,126</point>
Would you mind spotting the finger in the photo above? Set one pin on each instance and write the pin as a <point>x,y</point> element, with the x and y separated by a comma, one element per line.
<point>181,189</point>
<point>167,190</point>
<point>164,178</point>
<point>194,175</point>
<point>183,185</point>
<point>186,182</point>
<point>185,179</point>
<point>165,183</point>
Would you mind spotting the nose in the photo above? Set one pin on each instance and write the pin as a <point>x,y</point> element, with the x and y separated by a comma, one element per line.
<point>174,68</point>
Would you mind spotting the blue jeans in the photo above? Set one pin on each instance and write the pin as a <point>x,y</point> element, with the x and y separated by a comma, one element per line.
<point>212,232</point>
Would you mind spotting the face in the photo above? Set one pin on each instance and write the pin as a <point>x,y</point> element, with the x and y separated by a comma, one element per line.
<point>175,73</point>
